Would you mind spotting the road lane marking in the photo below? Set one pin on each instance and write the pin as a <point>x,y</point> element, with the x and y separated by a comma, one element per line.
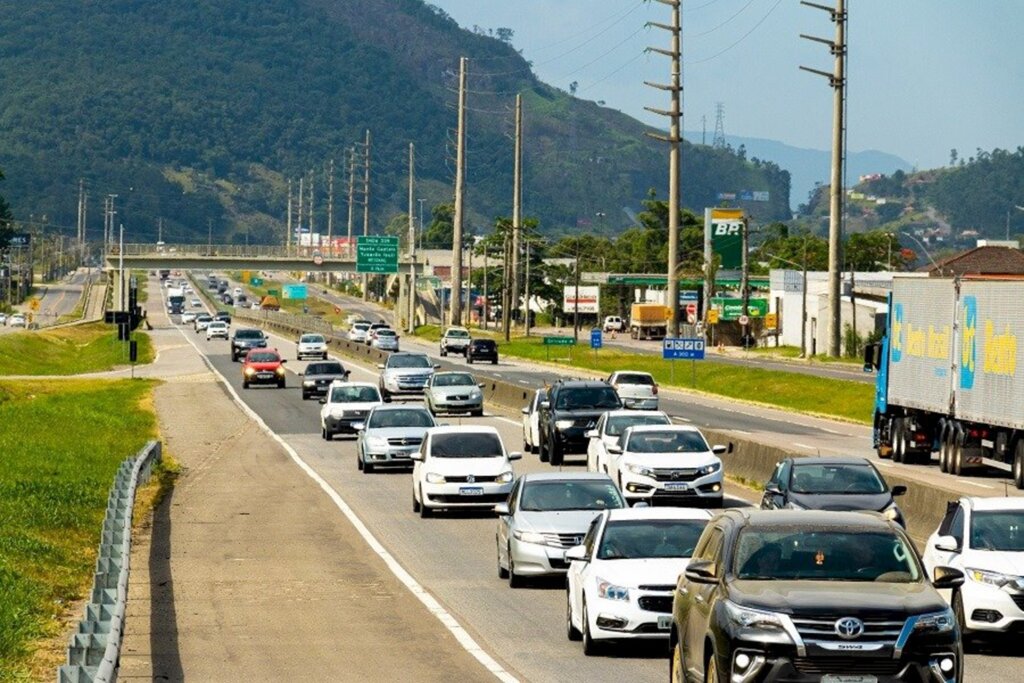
<point>981,486</point>
<point>805,445</point>
<point>422,594</point>
<point>681,418</point>
<point>885,463</point>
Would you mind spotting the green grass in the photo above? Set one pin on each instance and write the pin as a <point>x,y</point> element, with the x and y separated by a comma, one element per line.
<point>788,390</point>
<point>314,306</point>
<point>794,352</point>
<point>68,351</point>
<point>61,443</point>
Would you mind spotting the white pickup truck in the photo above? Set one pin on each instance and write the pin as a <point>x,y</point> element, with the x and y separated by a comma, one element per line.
<point>636,390</point>
<point>455,340</point>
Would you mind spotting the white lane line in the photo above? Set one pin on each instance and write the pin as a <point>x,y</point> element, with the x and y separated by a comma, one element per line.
<point>509,420</point>
<point>681,418</point>
<point>740,431</point>
<point>805,445</point>
<point>980,486</point>
<point>424,596</point>
<point>884,463</point>
<point>523,381</point>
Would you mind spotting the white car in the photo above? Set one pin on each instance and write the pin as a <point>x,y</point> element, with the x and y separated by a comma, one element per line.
<point>622,578</point>
<point>358,332</point>
<point>613,323</point>
<point>461,467</point>
<point>237,292</point>
<point>196,303</point>
<point>346,406</point>
<point>203,321</point>
<point>16,320</point>
<point>189,317</point>
<point>311,345</point>
<point>983,538</point>
<point>637,390</point>
<point>671,463</point>
<point>610,427</point>
<point>385,339</point>
<point>531,422</point>
<point>3,318</point>
<point>218,329</point>
<point>455,340</point>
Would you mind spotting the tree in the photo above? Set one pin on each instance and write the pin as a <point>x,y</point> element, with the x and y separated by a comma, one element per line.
<point>873,250</point>
<point>6,220</point>
<point>440,233</point>
<point>504,34</point>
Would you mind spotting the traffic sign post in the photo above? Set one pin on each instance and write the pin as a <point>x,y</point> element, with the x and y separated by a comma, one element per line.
<point>682,348</point>
<point>377,254</point>
<point>596,341</point>
<point>558,341</point>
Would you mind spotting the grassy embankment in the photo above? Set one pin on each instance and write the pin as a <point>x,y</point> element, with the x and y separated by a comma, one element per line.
<point>315,306</point>
<point>61,443</point>
<point>85,348</point>
<point>846,400</point>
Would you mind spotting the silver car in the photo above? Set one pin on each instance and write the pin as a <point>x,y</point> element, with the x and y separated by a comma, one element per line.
<point>385,340</point>
<point>405,373</point>
<point>546,514</point>
<point>390,435</point>
<point>454,392</point>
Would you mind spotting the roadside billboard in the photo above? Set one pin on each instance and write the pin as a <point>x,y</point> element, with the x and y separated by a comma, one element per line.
<point>726,230</point>
<point>589,299</point>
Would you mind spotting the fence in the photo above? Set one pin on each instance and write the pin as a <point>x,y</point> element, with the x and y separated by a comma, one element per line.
<point>94,651</point>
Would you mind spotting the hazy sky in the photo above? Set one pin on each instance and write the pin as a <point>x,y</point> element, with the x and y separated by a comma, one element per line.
<point>924,76</point>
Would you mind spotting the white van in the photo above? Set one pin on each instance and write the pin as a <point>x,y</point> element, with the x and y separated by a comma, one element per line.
<point>613,323</point>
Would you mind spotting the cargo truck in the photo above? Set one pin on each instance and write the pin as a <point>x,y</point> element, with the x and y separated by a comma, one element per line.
<point>947,375</point>
<point>648,321</point>
<point>175,300</point>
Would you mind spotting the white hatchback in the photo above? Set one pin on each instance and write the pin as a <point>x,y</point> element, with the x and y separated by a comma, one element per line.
<point>461,467</point>
<point>311,345</point>
<point>218,329</point>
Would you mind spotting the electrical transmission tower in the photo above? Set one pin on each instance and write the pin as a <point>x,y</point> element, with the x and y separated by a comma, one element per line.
<point>718,141</point>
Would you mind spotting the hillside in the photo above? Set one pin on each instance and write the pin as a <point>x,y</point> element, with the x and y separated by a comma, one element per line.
<point>199,111</point>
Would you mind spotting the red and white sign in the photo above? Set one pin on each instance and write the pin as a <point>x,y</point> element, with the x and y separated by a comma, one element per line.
<point>691,311</point>
<point>589,299</point>
<point>744,320</point>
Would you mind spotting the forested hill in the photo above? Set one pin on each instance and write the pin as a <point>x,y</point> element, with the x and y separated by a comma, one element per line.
<point>197,110</point>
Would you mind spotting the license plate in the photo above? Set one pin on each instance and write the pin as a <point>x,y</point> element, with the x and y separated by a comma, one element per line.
<point>471,491</point>
<point>664,623</point>
<point>677,486</point>
<point>265,375</point>
<point>843,678</point>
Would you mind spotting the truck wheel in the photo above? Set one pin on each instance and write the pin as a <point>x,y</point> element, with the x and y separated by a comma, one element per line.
<point>956,455</point>
<point>898,440</point>
<point>1018,465</point>
<point>944,446</point>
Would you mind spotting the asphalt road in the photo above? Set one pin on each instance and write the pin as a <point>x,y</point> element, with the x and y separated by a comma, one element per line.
<point>453,556</point>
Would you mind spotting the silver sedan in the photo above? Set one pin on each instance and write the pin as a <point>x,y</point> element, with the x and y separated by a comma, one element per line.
<point>390,435</point>
<point>454,392</point>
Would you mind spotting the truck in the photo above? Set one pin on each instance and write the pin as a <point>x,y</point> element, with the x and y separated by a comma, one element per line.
<point>175,300</point>
<point>270,303</point>
<point>947,374</point>
<point>648,321</point>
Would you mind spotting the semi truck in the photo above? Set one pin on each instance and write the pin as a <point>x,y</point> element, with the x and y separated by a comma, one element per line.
<point>648,321</point>
<point>947,374</point>
<point>175,300</point>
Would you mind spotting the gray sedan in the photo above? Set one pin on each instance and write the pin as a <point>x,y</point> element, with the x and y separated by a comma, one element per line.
<point>390,435</point>
<point>454,392</point>
<point>546,514</point>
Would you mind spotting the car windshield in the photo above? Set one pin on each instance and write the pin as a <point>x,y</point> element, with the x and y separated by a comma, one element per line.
<point>263,357</point>
<point>667,442</point>
<point>412,361</point>
<point>361,327</point>
<point>248,334</point>
<point>412,417</point>
<point>635,378</point>
<point>325,369</point>
<point>205,318</point>
<point>650,538</point>
<point>466,445</point>
<point>998,530</point>
<point>588,398</point>
<point>355,394</point>
<point>553,496</point>
<point>311,339</point>
<point>454,380</point>
<point>617,424</point>
<point>836,479</point>
<point>385,333</point>
<point>218,325</point>
<point>461,334</point>
<point>824,554</point>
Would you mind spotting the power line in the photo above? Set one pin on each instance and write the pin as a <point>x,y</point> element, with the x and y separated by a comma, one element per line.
<point>691,62</point>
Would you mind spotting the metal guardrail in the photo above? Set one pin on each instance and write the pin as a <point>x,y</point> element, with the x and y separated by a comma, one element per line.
<point>94,651</point>
<point>255,251</point>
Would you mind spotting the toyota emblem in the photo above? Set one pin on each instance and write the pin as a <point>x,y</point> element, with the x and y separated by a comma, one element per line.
<point>470,479</point>
<point>849,628</point>
<point>576,540</point>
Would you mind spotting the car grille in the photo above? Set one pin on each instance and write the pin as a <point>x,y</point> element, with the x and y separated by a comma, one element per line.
<point>476,479</point>
<point>558,563</point>
<point>457,398</point>
<point>666,588</point>
<point>656,603</point>
<point>676,474</point>
<point>1018,600</point>
<point>649,627</point>
<point>854,666</point>
<point>563,540</point>
<point>824,629</point>
<point>486,499</point>
<point>405,441</point>
<point>412,381</point>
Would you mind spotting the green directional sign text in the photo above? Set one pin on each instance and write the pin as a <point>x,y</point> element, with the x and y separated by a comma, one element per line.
<point>559,341</point>
<point>377,254</point>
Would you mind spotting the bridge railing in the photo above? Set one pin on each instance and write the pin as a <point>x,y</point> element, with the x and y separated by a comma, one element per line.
<point>255,251</point>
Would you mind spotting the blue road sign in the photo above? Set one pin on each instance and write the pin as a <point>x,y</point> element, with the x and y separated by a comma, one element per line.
<point>596,341</point>
<point>682,349</point>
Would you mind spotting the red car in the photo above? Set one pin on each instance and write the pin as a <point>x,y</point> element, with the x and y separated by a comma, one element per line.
<point>263,366</point>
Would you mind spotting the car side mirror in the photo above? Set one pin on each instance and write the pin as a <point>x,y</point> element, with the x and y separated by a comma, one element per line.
<point>501,509</point>
<point>417,456</point>
<point>480,385</point>
<point>614,449</point>
<point>578,553</point>
<point>526,410</point>
<point>544,405</point>
<point>773,489</point>
<point>719,450</point>
<point>947,577</point>
<point>701,571</point>
<point>899,490</point>
<point>283,361</point>
<point>947,544</point>
<point>323,401</point>
<point>591,434</point>
<point>515,455</point>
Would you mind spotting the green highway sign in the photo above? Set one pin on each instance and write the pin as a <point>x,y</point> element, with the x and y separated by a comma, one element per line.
<point>256,281</point>
<point>559,341</point>
<point>732,309</point>
<point>377,254</point>
<point>274,292</point>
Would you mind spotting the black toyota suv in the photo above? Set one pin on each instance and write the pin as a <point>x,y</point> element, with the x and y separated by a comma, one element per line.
<point>245,339</point>
<point>568,411</point>
<point>800,596</point>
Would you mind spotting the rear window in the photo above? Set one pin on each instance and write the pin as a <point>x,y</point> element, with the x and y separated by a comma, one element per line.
<point>617,424</point>
<point>466,445</point>
<point>386,333</point>
<point>249,334</point>
<point>635,378</point>
<point>461,334</point>
<point>483,344</point>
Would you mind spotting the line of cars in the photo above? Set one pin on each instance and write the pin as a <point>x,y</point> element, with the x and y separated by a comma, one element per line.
<point>378,335</point>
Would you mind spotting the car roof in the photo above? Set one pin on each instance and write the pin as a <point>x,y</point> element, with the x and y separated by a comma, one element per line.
<point>452,372</point>
<point>830,460</point>
<point>994,503</point>
<point>627,412</point>
<point>388,407</point>
<point>408,353</point>
<point>659,513</point>
<point>565,476</point>
<point>580,383</point>
<point>635,429</point>
<point>632,372</point>
<point>456,328</point>
<point>343,383</point>
<point>863,519</point>
<point>464,429</point>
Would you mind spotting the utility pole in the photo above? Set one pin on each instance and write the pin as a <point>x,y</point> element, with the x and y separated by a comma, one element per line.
<point>469,281</point>
<point>576,301</point>
<point>351,190</point>
<point>837,79</point>
<point>288,230</point>
<point>81,215</point>
<point>517,206</point>
<point>366,200</point>
<point>312,228</point>
<point>330,209</point>
<point>302,192</point>
<point>506,287</point>
<point>455,315</point>
<point>412,240</point>
<point>527,288</point>
<point>675,115</point>
<point>209,237</point>
<point>486,300</point>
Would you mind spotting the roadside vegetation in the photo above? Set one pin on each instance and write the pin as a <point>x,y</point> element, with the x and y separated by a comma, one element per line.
<point>61,444</point>
<point>92,347</point>
<point>314,305</point>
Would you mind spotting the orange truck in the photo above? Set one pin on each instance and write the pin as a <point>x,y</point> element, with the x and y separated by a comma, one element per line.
<point>648,321</point>
<point>270,303</point>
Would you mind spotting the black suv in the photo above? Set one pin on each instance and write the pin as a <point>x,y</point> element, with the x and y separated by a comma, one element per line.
<point>482,349</point>
<point>568,411</point>
<point>811,596</point>
<point>318,376</point>
<point>246,339</point>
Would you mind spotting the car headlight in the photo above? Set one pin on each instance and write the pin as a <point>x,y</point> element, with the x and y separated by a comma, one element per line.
<point>475,394</point>
<point>710,469</point>
<point>563,424</point>
<point>308,383</point>
<point>609,591</point>
<point>892,512</point>
<point>744,617</point>
<point>991,578</point>
<point>434,478</point>
<point>640,469</point>
<point>381,443</point>
<point>530,537</point>
<point>504,477</point>
<point>936,622</point>
<point>250,371</point>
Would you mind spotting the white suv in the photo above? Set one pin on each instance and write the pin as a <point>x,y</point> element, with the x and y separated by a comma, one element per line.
<point>311,345</point>
<point>455,340</point>
<point>613,323</point>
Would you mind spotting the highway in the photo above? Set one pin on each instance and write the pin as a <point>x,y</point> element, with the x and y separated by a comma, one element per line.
<point>453,556</point>
<point>57,299</point>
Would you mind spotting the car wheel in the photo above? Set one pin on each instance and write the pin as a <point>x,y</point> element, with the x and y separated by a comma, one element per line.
<point>478,413</point>
<point>415,503</point>
<point>502,572</point>
<point>424,510</point>
<point>368,468</point>
<point>443,352</point>
<point>245,385</point>
<point>514,580</point>
<point>571,632</point>
<point>676,670</point>
<point>961,620</point>
<point>305,396</point>
<point>543,451</point>
<point>359,461</point>
<point>590,647</point>
<point>469,360</point>
<point>329,435</point>
<point>555,454</point>
<point>323,356</point>
<point>494,362</point>
<point>281,385</point>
